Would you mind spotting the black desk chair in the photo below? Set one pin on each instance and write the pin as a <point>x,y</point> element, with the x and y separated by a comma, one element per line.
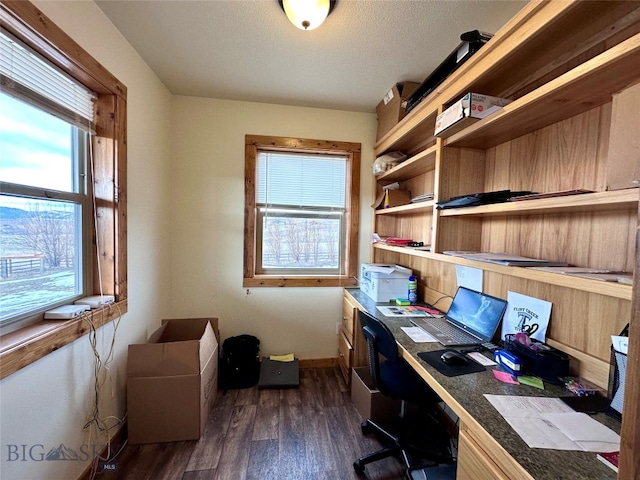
<point>395,378</point>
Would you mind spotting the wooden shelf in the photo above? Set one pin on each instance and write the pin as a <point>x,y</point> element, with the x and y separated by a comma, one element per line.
<point>420,163</point>
<point>416,129</point>
<point>529,46</point>
<point>568,67</point>
<point>610,289</point>
<point>585,87</point>
<point>409,208</point>
<point>587,202</point>
<point>413,133</point>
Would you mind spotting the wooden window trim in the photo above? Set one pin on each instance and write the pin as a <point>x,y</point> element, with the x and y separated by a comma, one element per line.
<point>24,346</point>
<point>253,143</point>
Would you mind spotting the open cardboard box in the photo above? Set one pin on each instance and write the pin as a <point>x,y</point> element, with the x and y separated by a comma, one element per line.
<point>368,400</point>
<point>393,107</point>
<point>172,381</point>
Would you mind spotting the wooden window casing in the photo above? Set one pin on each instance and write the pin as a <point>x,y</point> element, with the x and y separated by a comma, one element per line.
<point>26,345</point>
<point>256,143</point>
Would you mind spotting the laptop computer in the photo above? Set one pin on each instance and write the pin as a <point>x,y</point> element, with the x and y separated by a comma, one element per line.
<point>472,319</point>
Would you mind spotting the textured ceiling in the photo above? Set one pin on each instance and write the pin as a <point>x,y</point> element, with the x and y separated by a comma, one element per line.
<point>247,49</point>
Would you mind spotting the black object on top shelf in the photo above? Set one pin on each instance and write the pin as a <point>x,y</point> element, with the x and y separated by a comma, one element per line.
<point>471,43</point>
<point>483,198</point>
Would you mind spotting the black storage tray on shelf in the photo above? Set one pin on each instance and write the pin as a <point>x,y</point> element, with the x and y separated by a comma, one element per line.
<point>547,363</point>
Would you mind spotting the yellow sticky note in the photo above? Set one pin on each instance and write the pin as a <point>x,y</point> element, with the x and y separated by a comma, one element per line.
<point>282,358</point>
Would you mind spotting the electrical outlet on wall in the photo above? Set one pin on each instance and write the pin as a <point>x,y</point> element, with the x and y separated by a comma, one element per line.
<point>338,327</point>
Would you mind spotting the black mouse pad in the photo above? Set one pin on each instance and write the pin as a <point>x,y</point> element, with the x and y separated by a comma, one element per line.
<point>433,359</point>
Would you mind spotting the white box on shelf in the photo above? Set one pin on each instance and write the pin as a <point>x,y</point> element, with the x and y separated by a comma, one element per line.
<point>470,108</point>
<point>382,282</point>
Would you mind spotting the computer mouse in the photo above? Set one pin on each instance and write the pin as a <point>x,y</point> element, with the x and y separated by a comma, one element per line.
<point>451,357</point>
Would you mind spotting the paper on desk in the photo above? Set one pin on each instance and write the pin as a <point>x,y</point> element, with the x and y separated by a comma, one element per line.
<point>405,311</point>
<point>481,359</point>
<point>589,434</point>
<point>524,416</point>
<point>418,335</point>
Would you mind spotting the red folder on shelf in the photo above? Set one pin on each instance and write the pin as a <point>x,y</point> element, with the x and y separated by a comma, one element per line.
<point>398,242</point>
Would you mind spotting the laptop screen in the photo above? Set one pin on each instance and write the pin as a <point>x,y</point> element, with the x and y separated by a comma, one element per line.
<point>476,312</point>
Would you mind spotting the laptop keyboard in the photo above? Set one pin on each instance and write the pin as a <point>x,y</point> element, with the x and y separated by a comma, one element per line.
<point>453,332</point>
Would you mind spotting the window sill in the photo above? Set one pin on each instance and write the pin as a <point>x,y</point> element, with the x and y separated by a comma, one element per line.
<point>269,281</point>
<point>27,345</point>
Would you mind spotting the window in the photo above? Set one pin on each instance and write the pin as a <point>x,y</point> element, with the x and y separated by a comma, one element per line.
<point>301,215</point>
<point>44,203</point>
<point>71,239</point>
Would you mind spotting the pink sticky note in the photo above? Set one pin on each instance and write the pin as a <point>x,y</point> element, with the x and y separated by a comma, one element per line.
<point>505,377</point>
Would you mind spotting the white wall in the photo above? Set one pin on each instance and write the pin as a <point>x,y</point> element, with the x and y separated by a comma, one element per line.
<point>47,403</point>
<point>207,208</point>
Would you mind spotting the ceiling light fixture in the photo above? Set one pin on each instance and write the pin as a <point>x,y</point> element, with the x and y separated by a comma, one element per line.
<point>307,14</point>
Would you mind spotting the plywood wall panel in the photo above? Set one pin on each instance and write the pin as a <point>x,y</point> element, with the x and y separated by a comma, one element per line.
<point>593,239</point>
<point>563,156</point>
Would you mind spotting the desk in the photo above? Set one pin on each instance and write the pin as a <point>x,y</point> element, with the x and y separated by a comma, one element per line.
<point>488,448</point>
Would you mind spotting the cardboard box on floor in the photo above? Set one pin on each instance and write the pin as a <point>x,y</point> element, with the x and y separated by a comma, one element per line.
<point>172,381</point>
<point>369,402</point>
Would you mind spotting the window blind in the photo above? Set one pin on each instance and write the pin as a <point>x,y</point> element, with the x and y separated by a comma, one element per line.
<point>300,180</point>
<point>25,75</point>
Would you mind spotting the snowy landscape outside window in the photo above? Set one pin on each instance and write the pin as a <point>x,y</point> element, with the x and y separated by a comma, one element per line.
<point>44,203</point>
<point>302,213</point>
<point>301,201</point>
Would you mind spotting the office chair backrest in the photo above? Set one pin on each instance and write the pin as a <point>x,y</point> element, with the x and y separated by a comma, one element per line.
<point>384,339</point>
<point>380,340</point>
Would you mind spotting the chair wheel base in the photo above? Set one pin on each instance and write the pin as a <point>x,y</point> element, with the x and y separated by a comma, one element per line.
<point>358,467</point>
<point>366,428</point>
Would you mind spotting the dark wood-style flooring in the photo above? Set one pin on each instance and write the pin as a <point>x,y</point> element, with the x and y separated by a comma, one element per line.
<point>307,433</point>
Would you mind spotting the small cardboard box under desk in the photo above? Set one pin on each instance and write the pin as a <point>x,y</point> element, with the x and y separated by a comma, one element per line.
<point>369,402</point>
<point>172,381</point>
